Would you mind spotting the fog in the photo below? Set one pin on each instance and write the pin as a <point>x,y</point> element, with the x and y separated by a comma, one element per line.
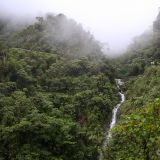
<point>113,22</point>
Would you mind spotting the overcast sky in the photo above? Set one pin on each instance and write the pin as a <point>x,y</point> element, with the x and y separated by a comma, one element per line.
<point>112,21</point>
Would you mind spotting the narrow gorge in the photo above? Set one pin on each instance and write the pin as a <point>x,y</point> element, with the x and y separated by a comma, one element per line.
<point>119,83</point>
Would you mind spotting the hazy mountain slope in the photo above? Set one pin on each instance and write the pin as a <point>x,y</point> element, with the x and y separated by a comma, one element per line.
<point>52,104</point>
<point>144,51</point>
<point>55,33</point>
<point>137,135</point>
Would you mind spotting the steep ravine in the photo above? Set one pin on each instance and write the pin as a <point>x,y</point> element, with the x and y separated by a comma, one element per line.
<point>119,83</point>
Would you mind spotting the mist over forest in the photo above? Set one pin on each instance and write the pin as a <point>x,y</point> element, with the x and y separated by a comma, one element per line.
<point>113,22</point>
<point>69,92</point>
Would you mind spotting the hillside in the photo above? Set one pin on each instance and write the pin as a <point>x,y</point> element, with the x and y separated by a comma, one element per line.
<point>55,95</point>
<point>137,135</point>
<point>58,90</point>
<point>51,34</point>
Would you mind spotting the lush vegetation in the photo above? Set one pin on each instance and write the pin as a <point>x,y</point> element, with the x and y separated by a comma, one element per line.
<point>142,89</point>
<point>57,91</point>
<point>53,102</point>
<point>143,52</point>
<point>51,34</point>
<point>137,135</point>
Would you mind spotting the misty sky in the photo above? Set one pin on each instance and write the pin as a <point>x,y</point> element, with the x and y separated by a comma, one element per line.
<point>112,21</point>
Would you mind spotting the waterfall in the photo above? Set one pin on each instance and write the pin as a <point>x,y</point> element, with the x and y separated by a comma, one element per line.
<point>114,116</point>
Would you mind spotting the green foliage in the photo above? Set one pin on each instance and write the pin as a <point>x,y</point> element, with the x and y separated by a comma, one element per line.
<point>55,34</point>
<point>136,137</point>
<point>56,91</point>
<point>142,89</point>
<point>52,107</point>
<point>143,52</point>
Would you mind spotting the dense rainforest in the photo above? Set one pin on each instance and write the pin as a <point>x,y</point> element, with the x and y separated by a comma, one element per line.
<point>137,134</point>
<point>57,92</point>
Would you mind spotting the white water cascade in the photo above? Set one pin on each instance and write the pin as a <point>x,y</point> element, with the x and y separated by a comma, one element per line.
<point>114,116</point>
